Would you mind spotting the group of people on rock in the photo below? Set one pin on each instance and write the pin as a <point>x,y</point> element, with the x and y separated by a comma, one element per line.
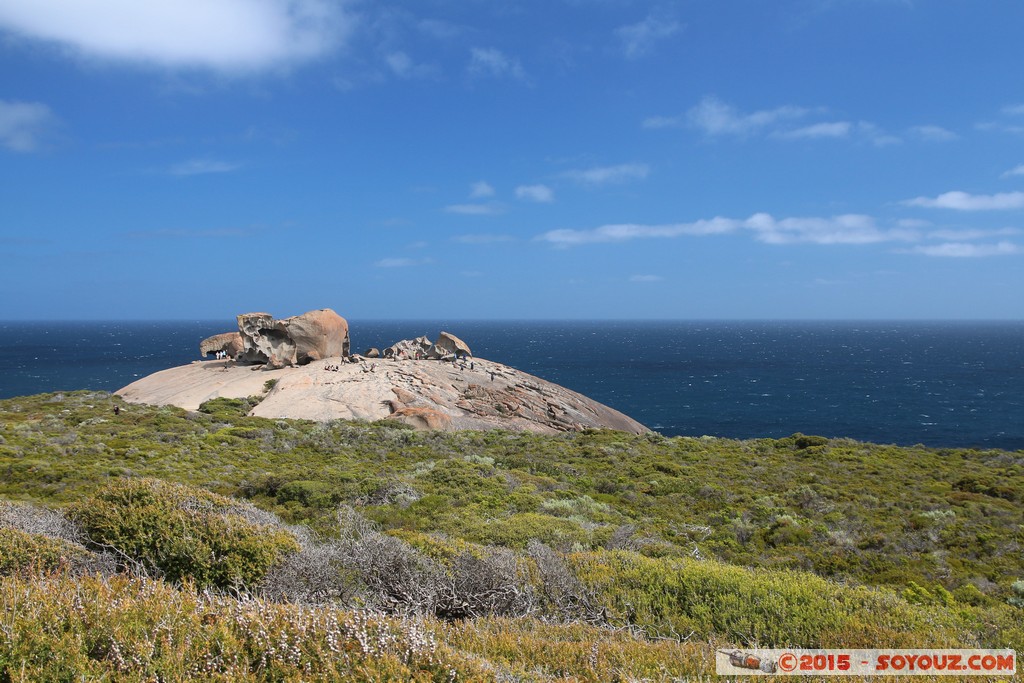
<point>221,355</point>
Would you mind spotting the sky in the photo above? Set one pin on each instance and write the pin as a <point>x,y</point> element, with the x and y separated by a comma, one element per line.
<point>484,159</point>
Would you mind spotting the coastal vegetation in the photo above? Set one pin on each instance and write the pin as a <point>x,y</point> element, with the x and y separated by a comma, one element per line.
<point>157,543</point>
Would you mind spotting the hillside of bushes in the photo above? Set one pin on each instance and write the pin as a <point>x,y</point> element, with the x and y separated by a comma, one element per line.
<point>158,544</point>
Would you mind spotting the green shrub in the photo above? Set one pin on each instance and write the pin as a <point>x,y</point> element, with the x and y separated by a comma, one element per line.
<point>184,533</point>
<point>1018,594</point>
<point>21,552</point>
<point>122,629</point>
<point>315,494</point>
<point>774,608</point>
<point>919,595</point>
<point>859,512</point>
<point>519,529</point>
<point>801,441</point>
<point>226,409</point>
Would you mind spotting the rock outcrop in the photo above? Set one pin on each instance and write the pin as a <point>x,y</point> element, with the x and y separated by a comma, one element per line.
<point>480,394</point>
<point>448,344</point>
<point>229,342</point>
<point>413,349</point>
<point>304,381</point>
<point>447,347</point>
<point>298,340</point>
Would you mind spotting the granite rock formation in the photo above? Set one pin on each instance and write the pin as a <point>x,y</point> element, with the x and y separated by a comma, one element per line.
<point>448,344</point>
<point>480,394</point>
<point>229,342</point>
<point>298,340</point>
<point>446,347</point>
<point>412,349</point>
<point>428,385</point>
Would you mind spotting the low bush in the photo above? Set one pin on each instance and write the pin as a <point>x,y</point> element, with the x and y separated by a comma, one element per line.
<point>22,553</point>
<point>770,607</point>
<point>132,629</point>
<point>950,517</point>
<point>365,568</point>
<point>184,533</point>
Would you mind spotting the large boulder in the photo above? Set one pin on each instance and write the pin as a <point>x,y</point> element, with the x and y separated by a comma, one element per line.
<point>293,341</point>
<point>411,349</point>
<point>448,344</point>
<point>229,342</point>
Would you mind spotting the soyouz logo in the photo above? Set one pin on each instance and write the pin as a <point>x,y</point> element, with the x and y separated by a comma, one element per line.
<point>768,662</point>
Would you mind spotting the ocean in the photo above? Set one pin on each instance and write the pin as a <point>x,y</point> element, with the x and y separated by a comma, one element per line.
<point>943,384</point>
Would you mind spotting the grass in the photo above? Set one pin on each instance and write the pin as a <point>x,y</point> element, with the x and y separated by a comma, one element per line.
<point>608,555</point>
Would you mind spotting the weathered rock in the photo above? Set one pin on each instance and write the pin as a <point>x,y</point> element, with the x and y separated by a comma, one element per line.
<point>422,418</point>
<point>293,341</point>
<point>447,396</point>
<point>229,342</point>
<point>448,344</point>
<point>409,349</point>
<point>450,396</point>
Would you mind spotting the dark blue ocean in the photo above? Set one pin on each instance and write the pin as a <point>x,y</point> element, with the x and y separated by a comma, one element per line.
<point>939,384</point>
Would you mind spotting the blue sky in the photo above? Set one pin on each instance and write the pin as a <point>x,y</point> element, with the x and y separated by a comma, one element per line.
<point>194,159</point>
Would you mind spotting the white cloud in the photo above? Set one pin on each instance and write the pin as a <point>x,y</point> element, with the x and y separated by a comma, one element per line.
<point>1019,170</point>
<point>845,229</point>
<point>875,135</point>
<point>837,129</point>
<point>965,235</point>
<point>202,166</point>
<point>223,35</point>
<point>480,189</point>
<point>933,133</point>
<point>863,130</point>
<point>640,38</point>
<point>494,63</point>
<point>400,262</point>
<point>968,250</point>
<point>491,209</point>
<point>1000,127</point>
<point>535,193</point>
<point>1014,128</point>
<point>23,123</point>
<point>625,232</point>
<point>715,117</point>
<point>664,122</point>
<point>484,238</point>
<point>403,66</point>
<point>646,278</point>
<point>962,201</point>
<point>604,175</point>
<point>439,29</point>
